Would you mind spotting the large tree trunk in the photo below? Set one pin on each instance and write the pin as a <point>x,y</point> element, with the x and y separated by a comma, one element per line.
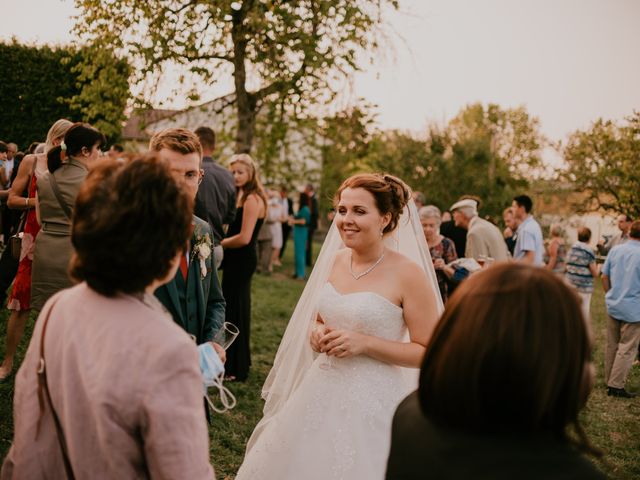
<point>247,112</point>
<point>245,101</point>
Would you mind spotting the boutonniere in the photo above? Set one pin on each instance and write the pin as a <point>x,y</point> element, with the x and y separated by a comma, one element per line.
<point>202,250</point>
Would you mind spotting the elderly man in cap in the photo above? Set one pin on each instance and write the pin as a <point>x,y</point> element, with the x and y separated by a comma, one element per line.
<point>483,237</point>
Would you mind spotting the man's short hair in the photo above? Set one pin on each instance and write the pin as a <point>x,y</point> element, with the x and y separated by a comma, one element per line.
<point>178,140</point>
<point>524,201</point>
<point>584,234</point>
<point>207,137</point>
<point>3,147</point>
<point>634,231</point>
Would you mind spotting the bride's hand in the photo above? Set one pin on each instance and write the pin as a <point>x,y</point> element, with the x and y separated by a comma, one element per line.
<point>316,335</point>
<point>343,343</point>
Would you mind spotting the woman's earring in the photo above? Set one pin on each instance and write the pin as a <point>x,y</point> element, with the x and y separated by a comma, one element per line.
<point>381,233</point>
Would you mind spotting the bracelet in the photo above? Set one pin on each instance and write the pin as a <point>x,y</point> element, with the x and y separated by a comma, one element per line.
<point>26,202</point>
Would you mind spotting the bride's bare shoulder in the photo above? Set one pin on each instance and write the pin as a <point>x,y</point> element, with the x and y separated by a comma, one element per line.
<point>404,265</point>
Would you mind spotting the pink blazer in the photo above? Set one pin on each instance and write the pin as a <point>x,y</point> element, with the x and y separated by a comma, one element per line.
<point>125,382</point>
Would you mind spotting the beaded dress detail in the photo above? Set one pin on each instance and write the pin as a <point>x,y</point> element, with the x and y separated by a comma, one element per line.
<point>337,424</point>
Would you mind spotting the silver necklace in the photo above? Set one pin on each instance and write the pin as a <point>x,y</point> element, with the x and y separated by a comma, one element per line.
<point>356,276</point>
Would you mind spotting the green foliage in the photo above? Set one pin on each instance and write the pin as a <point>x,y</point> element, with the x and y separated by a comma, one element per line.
<point>46,83</point>
<point>33,88</point>
<point>277,51</point>
<point>104,90</point>
<point>487,152</point>
<point>604,162</point>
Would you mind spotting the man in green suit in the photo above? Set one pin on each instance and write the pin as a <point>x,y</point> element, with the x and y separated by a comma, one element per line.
<point>194,297</point>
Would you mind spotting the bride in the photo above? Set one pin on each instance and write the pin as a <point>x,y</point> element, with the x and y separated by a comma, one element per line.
<point>368,310</point>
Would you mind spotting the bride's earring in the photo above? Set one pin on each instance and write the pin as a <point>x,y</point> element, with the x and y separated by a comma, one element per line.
<point>381,233</point>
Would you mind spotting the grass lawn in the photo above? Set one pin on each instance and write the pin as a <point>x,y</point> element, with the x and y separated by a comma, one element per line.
<point>613,424</point>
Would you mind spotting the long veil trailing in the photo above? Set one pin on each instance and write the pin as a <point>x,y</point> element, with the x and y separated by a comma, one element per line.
<point>295,355</point>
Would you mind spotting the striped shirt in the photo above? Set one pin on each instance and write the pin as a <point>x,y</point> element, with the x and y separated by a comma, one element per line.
<point>580,257</point>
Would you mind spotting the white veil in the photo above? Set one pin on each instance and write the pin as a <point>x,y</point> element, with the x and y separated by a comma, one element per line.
<point>294,354</point>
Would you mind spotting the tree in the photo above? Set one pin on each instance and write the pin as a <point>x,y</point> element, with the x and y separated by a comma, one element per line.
<point>604,163</point>
<point>292,53</point>
<point>514,137</point>
<point>346,135</point>
<point>46,83</point>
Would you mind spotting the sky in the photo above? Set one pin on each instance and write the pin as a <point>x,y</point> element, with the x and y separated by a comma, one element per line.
<point>568,62</point>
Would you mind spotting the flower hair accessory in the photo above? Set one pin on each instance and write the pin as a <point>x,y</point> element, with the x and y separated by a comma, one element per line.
<point>63,146</point>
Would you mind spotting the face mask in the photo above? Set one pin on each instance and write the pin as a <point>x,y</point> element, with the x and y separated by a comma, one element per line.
<point>212,371</point>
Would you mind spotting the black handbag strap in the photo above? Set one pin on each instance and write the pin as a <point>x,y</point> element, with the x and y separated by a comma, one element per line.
<point>43,394</point>
<point>56,192</point>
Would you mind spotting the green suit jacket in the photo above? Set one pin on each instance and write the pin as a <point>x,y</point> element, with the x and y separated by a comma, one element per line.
<point>197,305</point>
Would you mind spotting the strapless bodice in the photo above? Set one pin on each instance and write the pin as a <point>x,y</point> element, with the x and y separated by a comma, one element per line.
<point>364,312</point>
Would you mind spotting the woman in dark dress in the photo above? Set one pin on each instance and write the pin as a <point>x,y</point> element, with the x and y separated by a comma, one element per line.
<point>240,261</point>
<point>504,377</point>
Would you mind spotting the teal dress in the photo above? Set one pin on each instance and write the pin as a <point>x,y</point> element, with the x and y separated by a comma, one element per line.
<point>300,234</point>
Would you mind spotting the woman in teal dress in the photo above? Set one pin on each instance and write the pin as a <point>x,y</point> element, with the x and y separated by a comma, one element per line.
<point>300,223</point>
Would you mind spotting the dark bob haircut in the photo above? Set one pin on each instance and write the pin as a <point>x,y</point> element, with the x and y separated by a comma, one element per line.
<point>130,221</point>
<point>511,353</point>
<point>79,136</point>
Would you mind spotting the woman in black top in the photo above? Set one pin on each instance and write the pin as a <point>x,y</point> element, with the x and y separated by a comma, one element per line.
<point>506,371</point>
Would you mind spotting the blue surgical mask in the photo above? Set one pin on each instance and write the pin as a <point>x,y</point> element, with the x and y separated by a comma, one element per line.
<point>212,371</point>
<point>211,366</point>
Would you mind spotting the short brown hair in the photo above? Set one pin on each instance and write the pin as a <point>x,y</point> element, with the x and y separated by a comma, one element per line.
<point>178,140</point>
<point>391,194</point>
<point>115,225</point>
<point>207,137</point>
<point>584,234</point>
<point>510,353</point>
<point>634,231</point>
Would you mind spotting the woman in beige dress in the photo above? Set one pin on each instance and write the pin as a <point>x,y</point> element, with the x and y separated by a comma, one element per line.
<point>68,165</point>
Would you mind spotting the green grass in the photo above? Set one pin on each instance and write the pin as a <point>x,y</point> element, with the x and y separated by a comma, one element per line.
<point>612,424</point>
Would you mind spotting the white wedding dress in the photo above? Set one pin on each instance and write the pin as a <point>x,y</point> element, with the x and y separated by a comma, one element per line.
<point>337,422</point>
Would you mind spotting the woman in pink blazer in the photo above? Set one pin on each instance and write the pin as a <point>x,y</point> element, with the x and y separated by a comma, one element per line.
<point>122,379</point>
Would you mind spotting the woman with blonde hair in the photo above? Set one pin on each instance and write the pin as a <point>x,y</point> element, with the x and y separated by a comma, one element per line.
<point>240,260</point>
<point>31,167</point>
<point>557,251</point>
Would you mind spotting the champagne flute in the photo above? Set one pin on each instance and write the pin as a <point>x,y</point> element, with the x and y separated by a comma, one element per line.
<point>226,335</point>
<point>327,362</point>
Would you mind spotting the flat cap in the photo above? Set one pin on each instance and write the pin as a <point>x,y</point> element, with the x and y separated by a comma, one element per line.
<point>467,202</point>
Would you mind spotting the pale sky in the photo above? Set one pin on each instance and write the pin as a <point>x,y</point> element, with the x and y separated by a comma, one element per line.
<point>568,61</point>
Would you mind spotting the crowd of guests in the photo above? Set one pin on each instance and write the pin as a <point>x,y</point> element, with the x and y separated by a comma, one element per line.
<point>577,265</point>
<point>114,301</point>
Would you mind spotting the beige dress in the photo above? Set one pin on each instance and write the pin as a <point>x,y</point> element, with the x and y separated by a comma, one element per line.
<point>125,383</point>
<point>53,244</point>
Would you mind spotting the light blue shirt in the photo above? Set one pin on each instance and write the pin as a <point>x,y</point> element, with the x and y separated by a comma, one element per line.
<point>529,239</point>
<point>623,269</point>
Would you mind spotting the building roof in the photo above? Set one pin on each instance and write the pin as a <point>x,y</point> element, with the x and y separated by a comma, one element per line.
<point>135,128</point>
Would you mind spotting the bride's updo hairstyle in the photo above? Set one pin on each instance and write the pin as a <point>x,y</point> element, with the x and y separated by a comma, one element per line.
<point>391,194</point>
<point>511,354</point>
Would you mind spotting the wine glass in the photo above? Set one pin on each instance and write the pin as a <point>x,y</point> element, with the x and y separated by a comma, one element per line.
<point>226,335</point>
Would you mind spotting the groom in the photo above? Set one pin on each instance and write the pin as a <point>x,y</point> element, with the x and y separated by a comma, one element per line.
<point>194,297</point>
